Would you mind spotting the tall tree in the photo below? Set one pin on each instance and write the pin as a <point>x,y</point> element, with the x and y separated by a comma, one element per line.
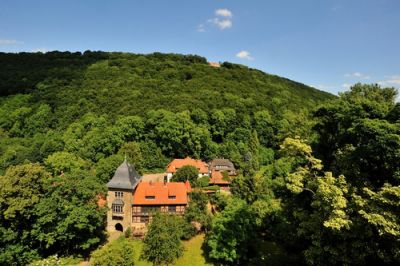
<point>21,188</point>
<point>162,244</point>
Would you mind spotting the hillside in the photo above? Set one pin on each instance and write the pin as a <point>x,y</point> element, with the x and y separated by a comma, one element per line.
<point>121,83</point>
<point>92,103</point>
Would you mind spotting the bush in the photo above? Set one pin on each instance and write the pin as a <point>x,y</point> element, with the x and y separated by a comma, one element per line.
<point>118,253</point>
<point>202,182</point>
<point>128,233</point>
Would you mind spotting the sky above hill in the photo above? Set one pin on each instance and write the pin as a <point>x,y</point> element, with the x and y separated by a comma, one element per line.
<point>328,44</point>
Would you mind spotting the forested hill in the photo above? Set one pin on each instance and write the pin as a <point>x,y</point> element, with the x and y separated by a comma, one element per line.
<point>318,176</point>
<point>123,83</point>
<point>91,104</point>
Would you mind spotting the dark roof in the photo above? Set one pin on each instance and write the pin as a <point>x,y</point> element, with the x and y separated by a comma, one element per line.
<point>125,177</point>
<point>223,162</point>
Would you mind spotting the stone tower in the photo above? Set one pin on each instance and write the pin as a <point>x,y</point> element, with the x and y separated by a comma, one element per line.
<point>120,197</point>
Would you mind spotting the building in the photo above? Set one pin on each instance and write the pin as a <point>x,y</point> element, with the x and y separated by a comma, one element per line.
<point>173,166</point>
<point>165,197</point>
<point>222,172</point>
<point>214,64</point>
<point>131,202</point>
<point>218,179</point>
<point>120,197</point>
<point>219,165</point>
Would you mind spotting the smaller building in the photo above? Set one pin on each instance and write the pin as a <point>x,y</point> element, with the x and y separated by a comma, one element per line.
<point>222,172</point>
<point>218,179</point>
<point>214,64</point>
<point>173,166</point>
<point>219,165</point>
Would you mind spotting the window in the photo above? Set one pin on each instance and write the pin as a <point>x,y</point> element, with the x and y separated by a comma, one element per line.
<point>172,197</point>
<point>144,219</point>
<point>135,209</point>
<point>117,208</point>
<point>150,209</point>
<point>119,194</point>
<point>172,209</point>
<point>136,219</point>
<point>150,197</point>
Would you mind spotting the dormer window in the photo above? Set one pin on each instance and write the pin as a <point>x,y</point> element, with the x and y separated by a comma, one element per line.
<point>172,197</point>
<point>119,194</point>
<point>150,197</point>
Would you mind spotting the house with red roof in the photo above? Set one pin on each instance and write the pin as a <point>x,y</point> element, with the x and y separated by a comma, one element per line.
<point>173,166</point>
<point>222,173</point>
<point>165,197</point>
<point>221,180</point>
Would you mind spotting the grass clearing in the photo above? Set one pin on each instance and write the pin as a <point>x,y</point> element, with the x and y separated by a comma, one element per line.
<point>192,255</point>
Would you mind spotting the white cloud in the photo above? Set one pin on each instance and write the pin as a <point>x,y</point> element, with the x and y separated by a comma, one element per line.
<point>357,75</point>
<point>223,12</point>
<point>9,42</point>
<point>346,86</point>
<point>390,81</point>
<point>222,20</point>
<point>221,23</point>
<point>324,87</point>
<point>244,55</point>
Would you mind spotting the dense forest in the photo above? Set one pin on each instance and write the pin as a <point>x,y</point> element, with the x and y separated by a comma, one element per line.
<point>319,175</point>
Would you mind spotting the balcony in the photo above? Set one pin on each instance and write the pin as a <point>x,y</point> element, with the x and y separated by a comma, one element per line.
<point>152,213</point>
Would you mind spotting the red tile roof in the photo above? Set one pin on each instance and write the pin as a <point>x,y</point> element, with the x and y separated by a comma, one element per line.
<point>218,178</point>
<point>201,166</point>
<point>160,193</point>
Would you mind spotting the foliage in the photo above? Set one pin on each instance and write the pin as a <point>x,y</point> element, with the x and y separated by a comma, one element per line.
<point>197,211</point>
<point>203,181</point>
<point>119,252</point>
<point>320,190</point>
<point>56,261</point>
<point>231,233</point>
<point>356,139</point>
<point>21,188</point>
<point>61,162</point>
<point>162,244</point>
<point>186,173</point>
<point>128,232</point>
<point>181,107</point>
<point>45,215</point>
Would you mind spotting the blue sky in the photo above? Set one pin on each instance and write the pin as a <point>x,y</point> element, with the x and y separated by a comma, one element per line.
<point>328,44</point>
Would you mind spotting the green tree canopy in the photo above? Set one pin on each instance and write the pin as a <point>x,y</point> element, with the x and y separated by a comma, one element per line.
<point>185,173</point>
<point>120,252</point>
<point>162,244</point>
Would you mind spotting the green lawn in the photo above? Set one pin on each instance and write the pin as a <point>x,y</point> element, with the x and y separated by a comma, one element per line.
<point>193,254</point>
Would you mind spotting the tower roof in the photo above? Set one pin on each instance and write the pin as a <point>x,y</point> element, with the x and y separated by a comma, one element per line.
<point>125,177</point>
